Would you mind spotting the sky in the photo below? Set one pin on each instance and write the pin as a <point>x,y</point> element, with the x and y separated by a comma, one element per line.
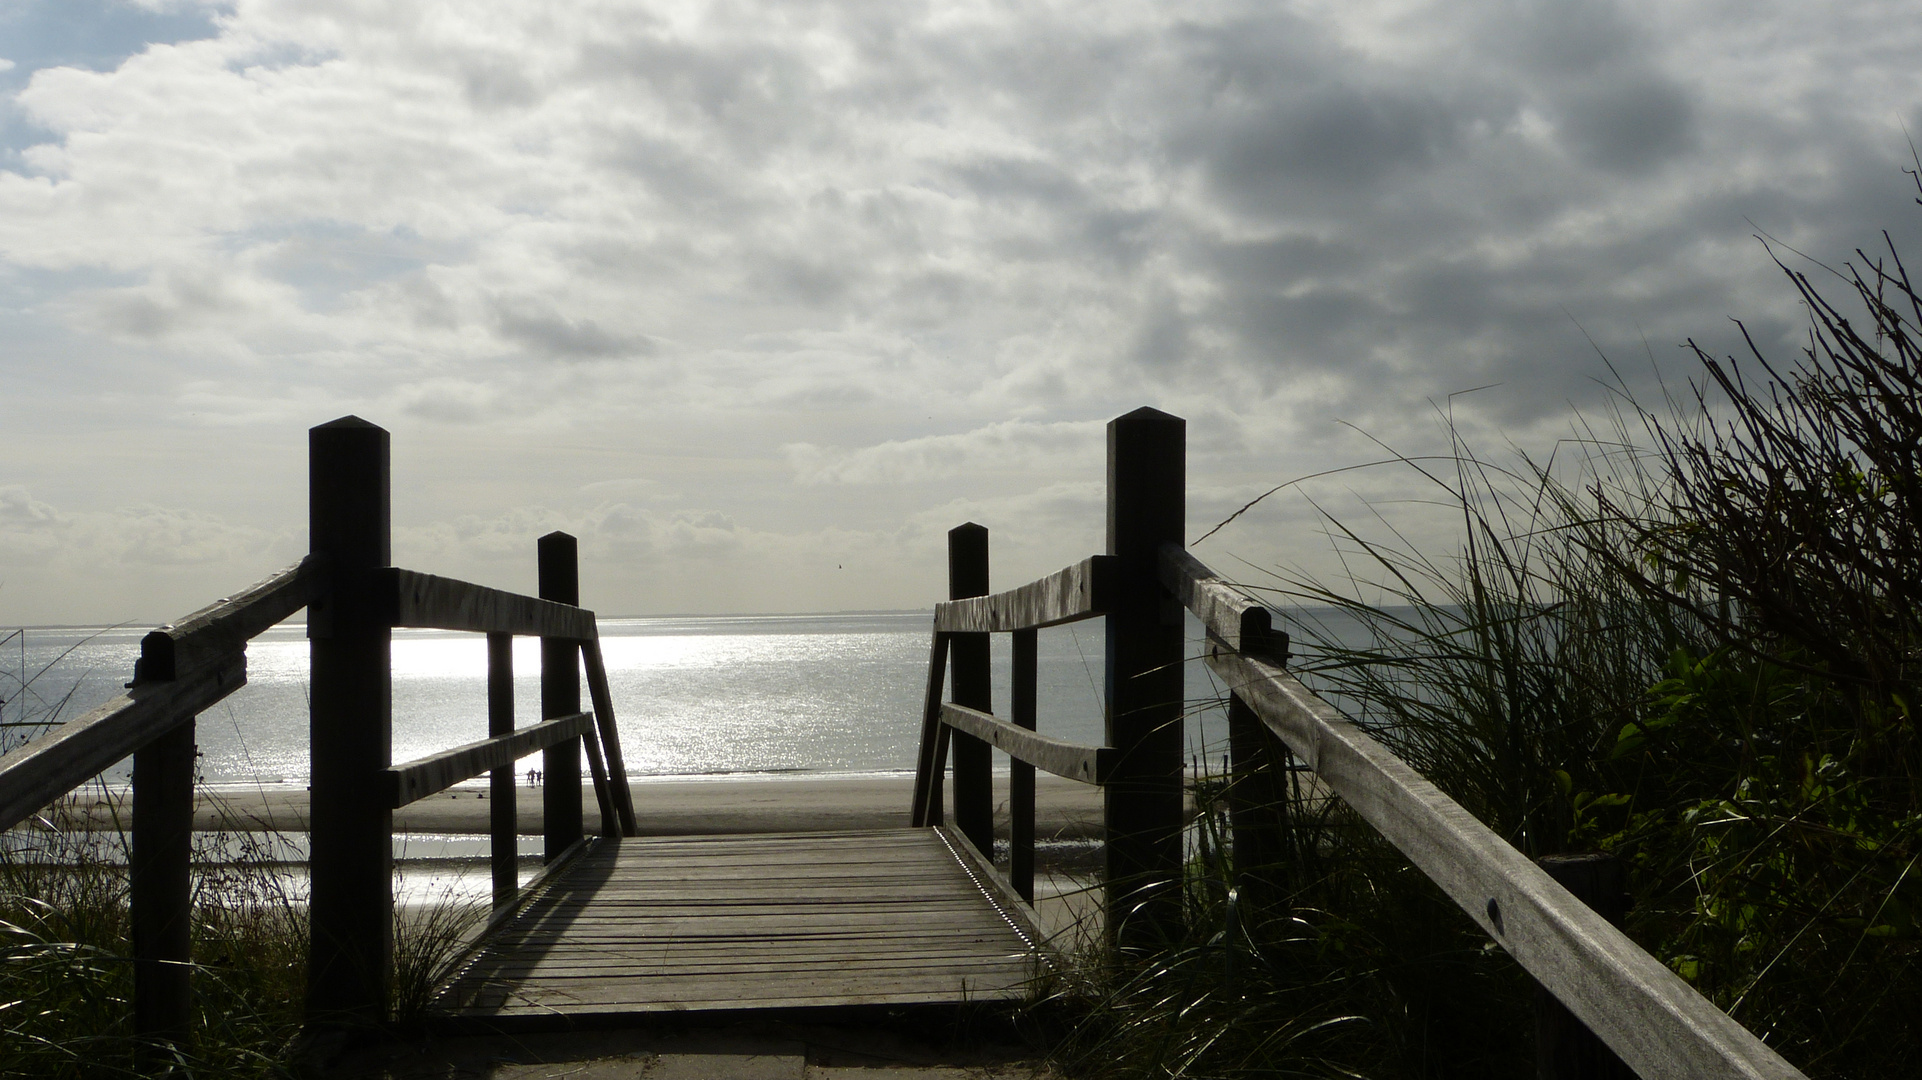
<point>759,299</point>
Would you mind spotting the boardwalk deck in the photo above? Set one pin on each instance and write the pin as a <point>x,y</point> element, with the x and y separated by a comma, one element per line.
<point>753,922</point>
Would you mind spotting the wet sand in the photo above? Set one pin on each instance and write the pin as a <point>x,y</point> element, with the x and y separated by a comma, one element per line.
<point>1064,810</point>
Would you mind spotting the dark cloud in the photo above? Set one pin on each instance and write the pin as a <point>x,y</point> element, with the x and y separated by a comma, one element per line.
<point>544,331</point>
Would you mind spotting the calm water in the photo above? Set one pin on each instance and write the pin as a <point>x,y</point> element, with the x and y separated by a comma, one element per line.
<point>741,696</point>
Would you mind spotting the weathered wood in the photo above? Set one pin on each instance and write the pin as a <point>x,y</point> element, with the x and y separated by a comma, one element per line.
<point>1147,453</point>
<point>228,624</point>
<point>766,941</point>
<point>1081,591</point>
<point>603,795</point>
<point>503,793</point>
<point>598,693</point>
<point>1021,710</point>
<point>1257,806</point>
<point>974,688</point>
<point>560,582</point>
<point>160,889</point>
<point>1004,902</point>
<point>417,779</point>
<point>424,601</point>
<point>351,725</point>
<point>1564,1047</point>
<point>1225,611</point>
<point>1088,764</point>
<point>37,773</point>
<point>1658,1024</point>
<point>934,739</point>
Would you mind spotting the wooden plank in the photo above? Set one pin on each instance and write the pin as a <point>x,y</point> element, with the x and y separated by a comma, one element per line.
<point>1239,620</point>
<point>931,996</point>
<point>428,602</point>
<point>228,624</point>
<point>610,937</point>
<point>603,794</point>
<point>403,784</point>
<point>1007,905</point>
<point>37,773</point>
<point>1077,592</point>
<point>1088,764</point>
<point>1659,1025</point>
<point>933,753</point>
<point>731,994</point>
<point>867,943</point>
<point>603,699</point>
<point>710,929</point>
<point>741,990</point>
<point>685,975</point>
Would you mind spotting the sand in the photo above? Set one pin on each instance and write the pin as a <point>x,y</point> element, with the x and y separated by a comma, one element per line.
<point>1064,809</point>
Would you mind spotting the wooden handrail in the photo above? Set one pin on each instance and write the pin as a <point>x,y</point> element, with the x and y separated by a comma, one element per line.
<point>33,775</point>
<point>1081,591</point>
<point>436,773</point>
<point>426,601</point>
<point>1088,764</point>
<point>1238,620</point>
<point>1658,1024</point>
<point>228,624</point>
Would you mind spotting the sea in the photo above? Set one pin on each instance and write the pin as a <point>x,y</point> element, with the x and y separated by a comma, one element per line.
<point>736,698</point>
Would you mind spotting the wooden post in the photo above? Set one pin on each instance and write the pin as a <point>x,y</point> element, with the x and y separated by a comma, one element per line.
<point>560,581</point>
<point>1021,710</point>
<point>161,889</point>
<point>933,757</point>
<point>1257,806</point>
<point>1147,507</point>
<point>351,735</point>
<point>1564,1047</point>
<point>502,793</point>
<point>973,687</point>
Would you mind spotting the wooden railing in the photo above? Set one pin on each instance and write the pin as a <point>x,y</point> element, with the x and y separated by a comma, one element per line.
<point>1656,1023</point>
<point>354,601</point>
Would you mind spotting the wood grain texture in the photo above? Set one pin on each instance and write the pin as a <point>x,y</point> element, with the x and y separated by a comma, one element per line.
<point>424,601</point>
<point>228,624</point>
<point>33,775</point>
<point>1659,1025</point>
<point>1228,613</point>
<point>1088,764</point>
<point>932,757</point>
<point>790,920</point>
<point>1081,591</point>
<point>437,772</point>
<point>603,699</point>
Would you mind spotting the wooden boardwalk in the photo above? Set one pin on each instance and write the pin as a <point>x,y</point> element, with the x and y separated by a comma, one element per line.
<point>796,920</point>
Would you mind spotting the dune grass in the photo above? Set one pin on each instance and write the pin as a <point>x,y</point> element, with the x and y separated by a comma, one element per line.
<point>1692,639</point>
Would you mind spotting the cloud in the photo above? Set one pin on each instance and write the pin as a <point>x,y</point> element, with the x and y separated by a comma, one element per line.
<point>1008,446</point>
<point>825,269</point>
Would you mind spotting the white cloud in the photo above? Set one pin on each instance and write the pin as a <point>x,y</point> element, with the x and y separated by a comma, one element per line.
<point>824,269</point>
<point>1010,446</point>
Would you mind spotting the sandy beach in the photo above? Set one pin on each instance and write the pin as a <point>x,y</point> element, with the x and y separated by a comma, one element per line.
<point>1064,809</point>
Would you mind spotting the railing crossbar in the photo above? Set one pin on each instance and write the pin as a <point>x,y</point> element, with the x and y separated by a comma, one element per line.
<point>36,774</point>
<point>435,773</point>
<point>1088,764</point>
<point>428,602</point>
<point>1082,591</point>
